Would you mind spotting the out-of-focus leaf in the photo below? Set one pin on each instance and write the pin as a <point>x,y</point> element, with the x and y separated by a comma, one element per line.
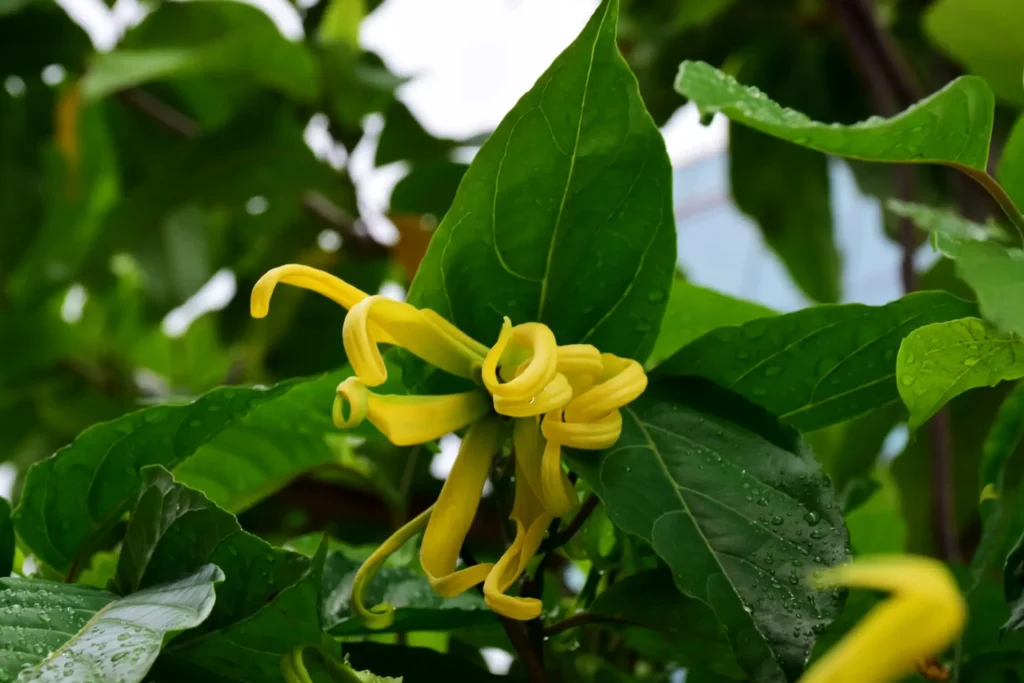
<point>818,366</point>
<point>576,169</point>
<point>876,526</point>
<point>797,226</point>
<point>415,664</point>
<point>340,22</point>
<point>7,542</point>
<point>1011,165</point>
<point>939,361</point>
<point>204,38</point>
<point>61,632</point>
<point>982,35</point>
<point>417,606</point>
<point>693,311</point>
<point>403,138</point>
<point>684,626</point>
<point>737,507</point>
<point>429,188</point>
<point>942,222</point>
<point>849,450</point>
<point>71,499</point>
<point>952,126</point>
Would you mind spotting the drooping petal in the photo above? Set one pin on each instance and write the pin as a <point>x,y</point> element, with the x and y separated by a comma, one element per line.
<point>455,509</point>
<point>532,521</point>
<point>558,493</point>
<point>407,326</point>
<point>406,420</point>
<point>532,346</point>
<point>383,615</point>
<point>335,289</point>
<point>923,616</point>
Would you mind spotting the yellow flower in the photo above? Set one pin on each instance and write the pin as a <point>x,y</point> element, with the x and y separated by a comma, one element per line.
<point>540,395</point>
<point>921,619</point>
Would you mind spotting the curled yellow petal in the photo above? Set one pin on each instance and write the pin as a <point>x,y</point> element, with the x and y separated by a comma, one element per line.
<point>377,319</point>
<point>624,381</point>
<point>406,420</point>
<point>382,615</point>
<point>532,521</point>
<point>923,616</point>
<point>528,445</point>
<point>592,436</point>
<point>455,509</point>
<point>335,289</point>
<point>552,396</point>
<point>534,341</point>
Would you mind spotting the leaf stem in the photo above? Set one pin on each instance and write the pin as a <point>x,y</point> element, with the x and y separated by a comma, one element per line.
<point>582,619</point>
<point>997,193</point>
<point>559,539</point>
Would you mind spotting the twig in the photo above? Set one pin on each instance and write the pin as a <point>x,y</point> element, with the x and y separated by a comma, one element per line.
<point>582,619</point>
<point>562,537</point>
<point>943,500</point>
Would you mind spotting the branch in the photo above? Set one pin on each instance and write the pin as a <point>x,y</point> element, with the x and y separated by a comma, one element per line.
<point>582,619</point>
<point>559,539</point>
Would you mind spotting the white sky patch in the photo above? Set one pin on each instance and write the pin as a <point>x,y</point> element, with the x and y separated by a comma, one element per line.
<point>8,473</point>
<point>329,241</point>
<point>392,290</point>
<point>53,74</point>
<point>14,86</point>
<point>574,578</point>
<point>498,661</point>
<point>895,442</point>
<point>256,205</point>
<point>217,293</point>
<point>687,140</point>
<point>441,465</point>
<point>318,138</point>
<point>74,303</point>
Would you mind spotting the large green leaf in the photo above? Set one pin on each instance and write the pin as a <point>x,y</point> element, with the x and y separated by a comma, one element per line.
<point>565,215</point>
<point>56,632</point>
<point>682,625</point>
<point>72,498</point>
<point>1011,165</point>
<point>416,664</point>
<point>7,541</point>
<point>984,36</point>
<point>204,38</point>
<point>1013,586</point>
<point>796,225</point>
<point>996,274</point>
<point>737,507</point>
<point>250,650</point>
<point>818,366</point>
<point>952,126</point>
<point>174,529</point>
<point>417,606</point>
<point>693,311</point>
<point>940,361</point>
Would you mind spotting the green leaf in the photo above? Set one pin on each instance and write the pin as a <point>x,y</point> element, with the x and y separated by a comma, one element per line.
<point>417,606</point>
<point>940,361</point>
<point>565,215</point>
<point>684,626</point>
<point>693,311</point>
<point>997,276</point>
<point>250,650</point>
<point>415,664</point>
<point>943,223</point>
<point>72,498</point>
<point>818,366</point>
<point>204,39</point>
<point>952,126</point>
<point>984,36</point>
<point>340,22</point>
<point>1013,586</point>
<point>737,507</point>
<point>429,188</point>
<point>1011,164</point>
<point>175,529</point>
<point>403,138</point>
<point>7,541</point>
<point>62,632</point>
<point>796,225</point>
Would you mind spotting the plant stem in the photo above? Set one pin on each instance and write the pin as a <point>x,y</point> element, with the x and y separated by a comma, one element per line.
<point>943,500</point>
<point>582,619</point>
<point>562,537</point>
<point>997,193</point>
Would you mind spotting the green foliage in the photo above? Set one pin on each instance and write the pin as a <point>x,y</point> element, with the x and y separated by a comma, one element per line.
<point>952,126</point>
<point>162,472</point>
<point>688,461</point>
<point>57,632</point>
<point>939,361</point>
<point>576,167</point>
<point>818,366</point>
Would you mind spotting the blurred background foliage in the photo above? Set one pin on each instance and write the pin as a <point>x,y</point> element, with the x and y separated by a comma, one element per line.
<point>145,188</point>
